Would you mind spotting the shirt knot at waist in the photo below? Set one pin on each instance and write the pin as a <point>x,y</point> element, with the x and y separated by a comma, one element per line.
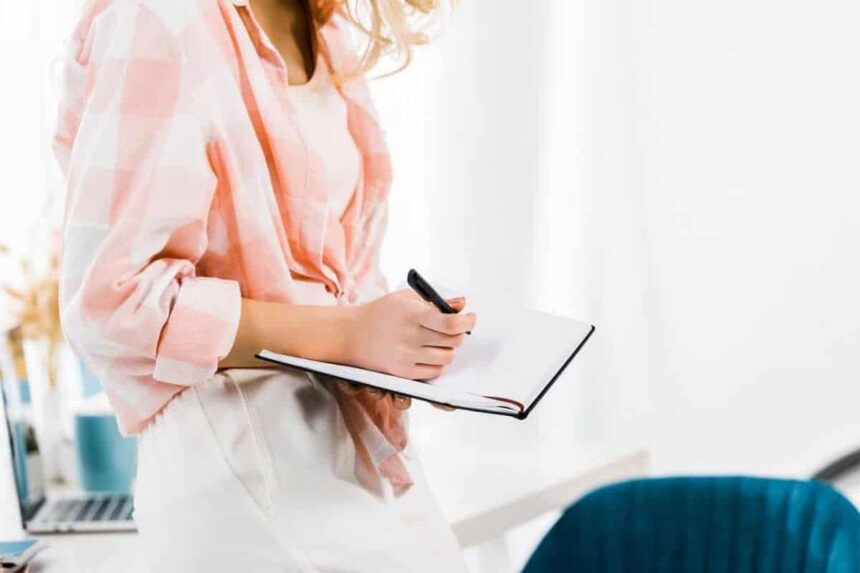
<point>346,294</point>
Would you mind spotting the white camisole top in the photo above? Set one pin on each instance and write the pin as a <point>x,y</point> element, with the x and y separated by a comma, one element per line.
<point>321,115</point>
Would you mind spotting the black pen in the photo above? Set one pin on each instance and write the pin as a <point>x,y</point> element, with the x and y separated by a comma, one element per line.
<point>428,293</point>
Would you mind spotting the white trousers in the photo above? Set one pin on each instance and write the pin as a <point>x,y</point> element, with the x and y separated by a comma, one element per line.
<point>253,471</point>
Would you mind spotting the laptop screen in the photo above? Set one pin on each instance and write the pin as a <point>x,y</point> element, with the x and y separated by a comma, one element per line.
<point>15,388</point>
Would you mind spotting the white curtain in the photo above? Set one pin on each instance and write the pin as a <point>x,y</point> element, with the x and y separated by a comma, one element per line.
<point>512,172</point>
<point>31,39</point>
<point>681,174</point>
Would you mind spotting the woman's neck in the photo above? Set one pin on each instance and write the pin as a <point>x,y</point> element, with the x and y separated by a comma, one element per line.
<point>289,26</point>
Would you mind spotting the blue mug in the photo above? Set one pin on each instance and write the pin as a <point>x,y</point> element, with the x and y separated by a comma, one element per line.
<point>107,461</point>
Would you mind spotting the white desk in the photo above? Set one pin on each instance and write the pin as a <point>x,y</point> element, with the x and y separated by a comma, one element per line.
<point>492,473</point>
<point>489,474</point>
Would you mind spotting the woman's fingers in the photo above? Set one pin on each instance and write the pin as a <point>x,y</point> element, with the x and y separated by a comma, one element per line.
<point>348,387</point>
<point>433,348</point>
<point>444,407</point>
<point>434,356</point>
<point>450,324</point>
<point>426,371</point>
<point>427,337</point>
<point>400,401</point>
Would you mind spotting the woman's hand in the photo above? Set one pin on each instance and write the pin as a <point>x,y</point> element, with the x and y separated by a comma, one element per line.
<point>401,402</point>
<point>398,333</point>
<point>403,335</point>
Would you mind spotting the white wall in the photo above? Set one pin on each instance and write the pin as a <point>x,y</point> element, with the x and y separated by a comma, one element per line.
<point>745,142</point>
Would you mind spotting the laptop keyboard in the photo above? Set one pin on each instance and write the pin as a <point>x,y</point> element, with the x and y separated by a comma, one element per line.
<point>107,508</point>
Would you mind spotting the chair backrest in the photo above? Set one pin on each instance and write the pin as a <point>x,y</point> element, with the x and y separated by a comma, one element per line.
<point>730,524</point>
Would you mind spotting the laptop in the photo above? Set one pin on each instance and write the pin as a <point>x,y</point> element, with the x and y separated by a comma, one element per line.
<point>42,511</point>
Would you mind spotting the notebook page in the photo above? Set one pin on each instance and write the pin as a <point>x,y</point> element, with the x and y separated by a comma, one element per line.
<point>512,353</point>
<point>420,389</point>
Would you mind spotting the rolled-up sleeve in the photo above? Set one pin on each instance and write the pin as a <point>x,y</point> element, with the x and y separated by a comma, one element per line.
<point>140,189</point>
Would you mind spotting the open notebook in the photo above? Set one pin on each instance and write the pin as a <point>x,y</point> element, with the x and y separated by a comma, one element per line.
<point>505,367</point>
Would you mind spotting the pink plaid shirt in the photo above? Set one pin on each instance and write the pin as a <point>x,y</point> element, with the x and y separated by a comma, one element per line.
<point>189,187</point>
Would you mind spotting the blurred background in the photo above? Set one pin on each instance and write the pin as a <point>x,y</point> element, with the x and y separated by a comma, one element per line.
<point>681,174</point>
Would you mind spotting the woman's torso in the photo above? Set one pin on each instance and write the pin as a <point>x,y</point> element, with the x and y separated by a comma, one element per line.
<point>208,174</point>
<point>320,116</point>
<point>289,155</point>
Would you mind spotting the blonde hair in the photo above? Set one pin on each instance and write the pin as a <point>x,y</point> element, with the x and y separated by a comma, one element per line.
<point>392,27</point>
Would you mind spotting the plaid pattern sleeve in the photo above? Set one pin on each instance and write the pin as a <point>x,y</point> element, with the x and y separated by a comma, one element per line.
<point>140,189</point>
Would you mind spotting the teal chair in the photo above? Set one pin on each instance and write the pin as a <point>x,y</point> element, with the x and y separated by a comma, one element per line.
<point>699,524</point>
